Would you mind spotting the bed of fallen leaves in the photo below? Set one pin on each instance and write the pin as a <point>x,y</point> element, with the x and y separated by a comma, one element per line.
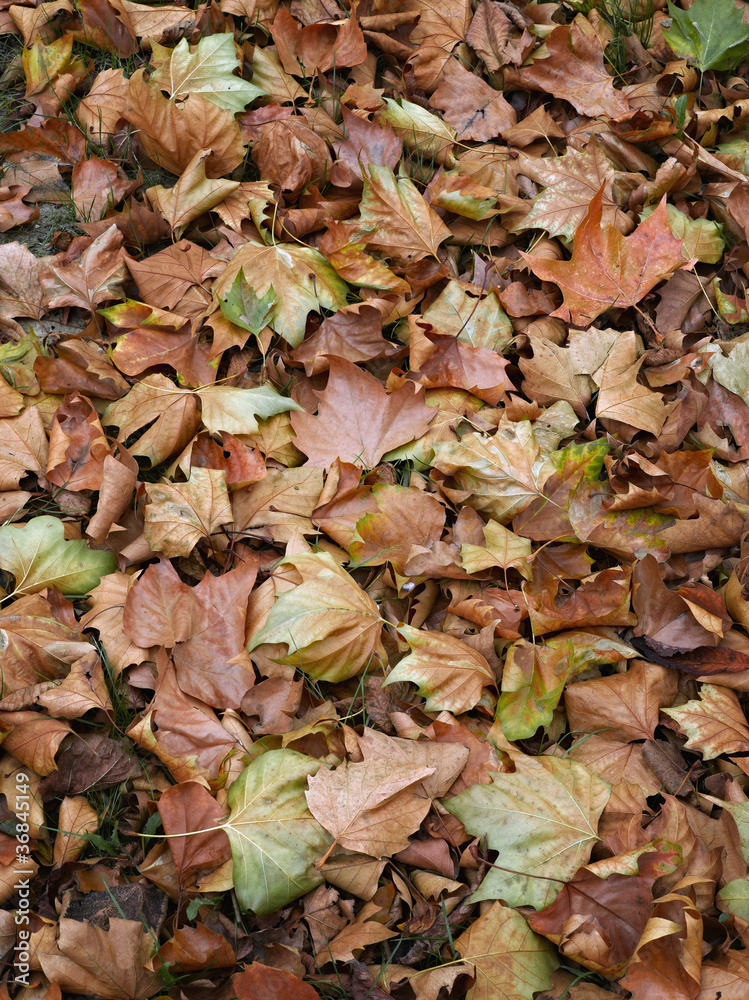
<point>375,608</point>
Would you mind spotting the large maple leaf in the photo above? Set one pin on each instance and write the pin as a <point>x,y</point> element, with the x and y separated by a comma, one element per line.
<point>609,269</point>
<point>574,70</point>
<point>357,420</point>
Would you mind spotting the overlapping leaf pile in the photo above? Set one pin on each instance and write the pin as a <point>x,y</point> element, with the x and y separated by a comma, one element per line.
<point>374,457</point>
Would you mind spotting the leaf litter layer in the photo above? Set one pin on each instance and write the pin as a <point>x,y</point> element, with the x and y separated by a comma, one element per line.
<point>374,464</point>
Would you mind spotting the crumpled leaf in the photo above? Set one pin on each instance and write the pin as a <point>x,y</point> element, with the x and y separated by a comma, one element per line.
<point>38,555</point>
<point>275,839</point>
<point>599,916</point>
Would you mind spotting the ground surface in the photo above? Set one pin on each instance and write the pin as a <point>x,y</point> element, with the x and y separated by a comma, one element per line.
<point>373,487</point>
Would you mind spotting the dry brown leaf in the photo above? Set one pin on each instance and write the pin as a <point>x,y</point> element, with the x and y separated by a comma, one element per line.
<point>377,421</point>
<point>622,707</point>
<point>372,807</point>
<point>108,963</point>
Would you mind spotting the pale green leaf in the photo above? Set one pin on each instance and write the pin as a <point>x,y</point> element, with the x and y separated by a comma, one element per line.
<point>275,839</point>
<point>301,278</point>
<point>236,410</point>
<point>209,71</point>
<point>245,309</point>
<point>422,132</point>
<point>734,898</point>
<point>733,371</point>
<point>542,820</point>
<point>711,32</point>
<point>38,555</point>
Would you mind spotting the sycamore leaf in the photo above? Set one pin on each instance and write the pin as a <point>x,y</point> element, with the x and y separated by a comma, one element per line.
<point>192,195</point>
<point>599,916</point>
<point>446,759</point>
<point>357,420</point>
<point>403,226</point>
<point>109,963</point>
<point>275,839</point>
<point>469,105</point>
<point>76,819</point>
<point>449,673</point>
<point>712,32</point>
<point>331,627</point>
<point>622,707</point>
<point>502,548</point>
<point>715,723</point>
<point>509,959</point>
<point>542,820</point>
<point>574,70</point>
<point>38,555</point>
<point>608,269</point>
<point>96,276</point>
<point>208,70</point>
<point>621,397</point>
<point>504,473</point>
<point>180,514</point>
<point>242,307</point>
<point>733,898</point>
<point>236,411</point>
<point>403,517</point>
<point>170,131</point>
<point>301,279</point>
<point>23,448</point>
<point>168,416</point>
<point>535,674</point>
<point>477,322</point>
<point>733,371</point>
<point>371,807</point>
<point>701,239</point>
<point>571,182</point>
<point>420,130</point>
